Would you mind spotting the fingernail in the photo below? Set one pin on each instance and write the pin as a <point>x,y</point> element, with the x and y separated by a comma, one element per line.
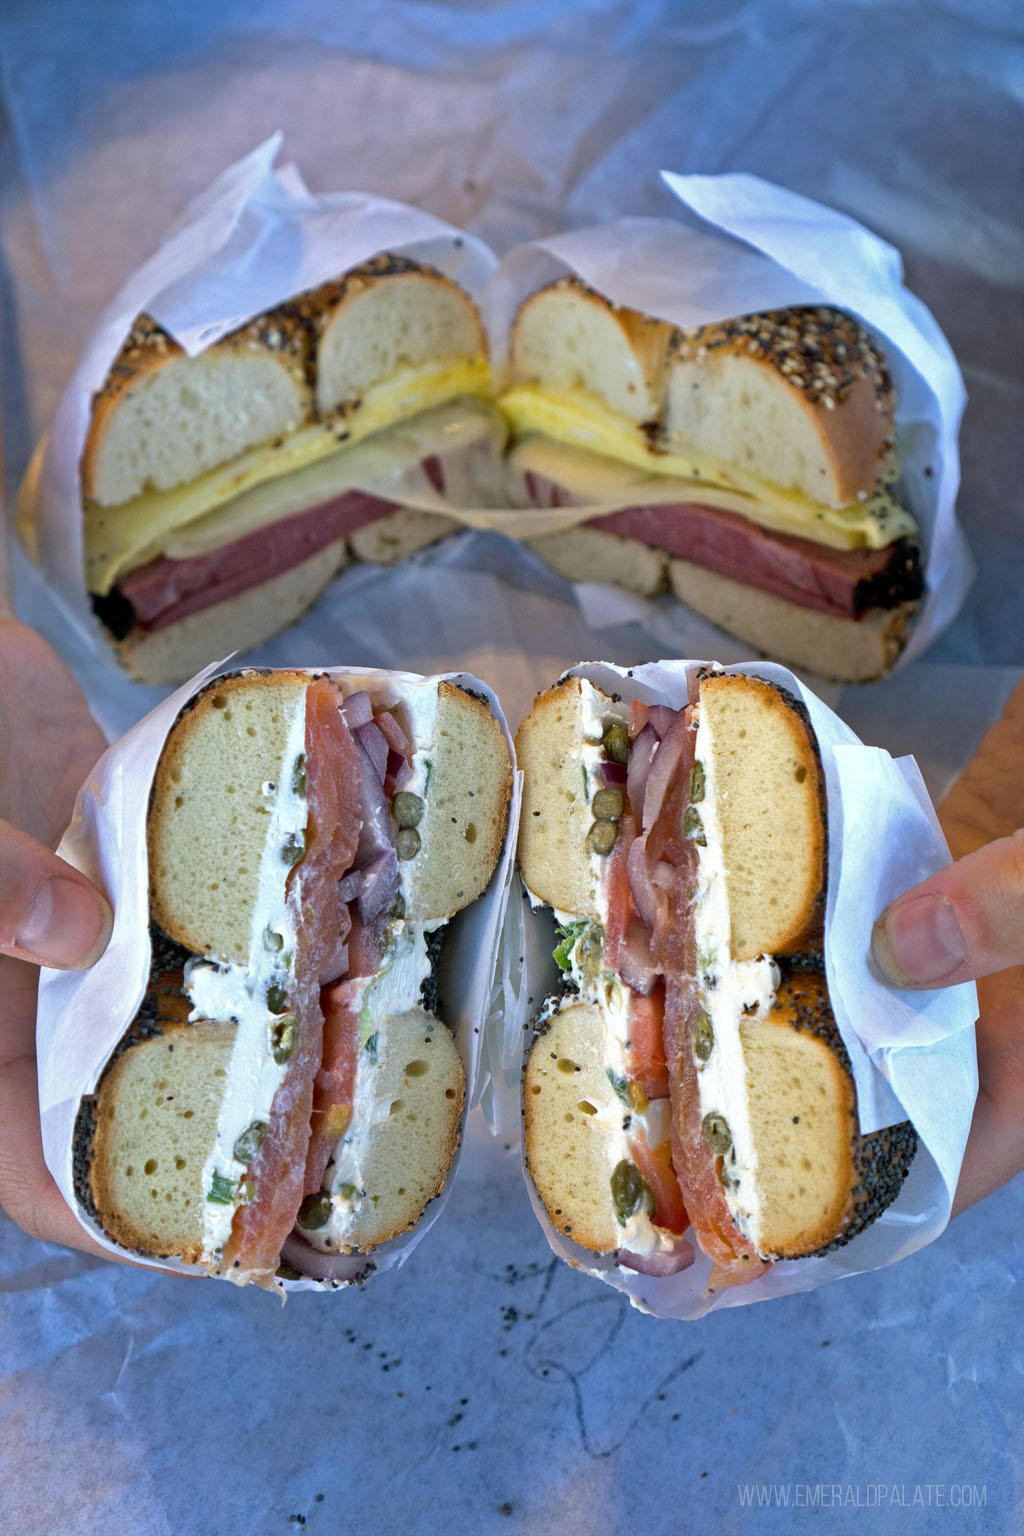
<point>920,941</point>
<point>65,926</point>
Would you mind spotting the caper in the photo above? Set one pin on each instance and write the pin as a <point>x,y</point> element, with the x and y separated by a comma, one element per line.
<point>247,1147</point>
<point>246,1191</point>
<point>616,743</point>
<point>408,809</point>
<point>294,848</point>
<point>398,907</point>
<point>590,950</point>
<point>697,782</point>
<point>272,940</point>
<point>703,1038</point>
<point>602,835</point>
<point>277,1001</point>
<point>620,1085</point>
<point>286,1272</point>
<point>284,1037</point>
<point>315,1211</point>
<point>299,780</point>
<point>716,1132</point>
<point>407,843</point>
<point>607,804</point>
<point>627,1189</point>
<point>693,827</point>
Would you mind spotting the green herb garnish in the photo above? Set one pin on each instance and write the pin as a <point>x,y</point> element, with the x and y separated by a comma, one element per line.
<point>571,933</point>
<point>222,1191</point>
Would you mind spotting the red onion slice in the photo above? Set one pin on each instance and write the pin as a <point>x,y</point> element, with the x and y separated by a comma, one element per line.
<point>357,709</point>
<point>661,718</point>
<point>374,744</point>
<point>342,1267</point>
<point>399,772</point>
<point>379,885</point>
<point>662,1262</point>
<point>614,773</point>
<point>640,883</point>
<point>663,767</point>
<point>639,766</point>
<point>396,738</point>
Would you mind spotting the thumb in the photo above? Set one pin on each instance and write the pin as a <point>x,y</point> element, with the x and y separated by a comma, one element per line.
<point>49,913</point>
<point>966,921</point>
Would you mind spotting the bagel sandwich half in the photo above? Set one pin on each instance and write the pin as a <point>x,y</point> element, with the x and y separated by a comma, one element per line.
<point>287,1098</point>
<point>690,1074</point>
<point>221,493</point>
<point>753,463</point>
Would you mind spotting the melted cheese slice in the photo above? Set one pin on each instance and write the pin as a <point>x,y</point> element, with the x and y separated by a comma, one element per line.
<point>580,419</point>
<point>120,538</point>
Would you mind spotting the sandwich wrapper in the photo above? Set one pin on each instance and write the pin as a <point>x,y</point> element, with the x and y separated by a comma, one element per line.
<point>912,1054</point>
<point>83,1014</point>
<point>257,237</point>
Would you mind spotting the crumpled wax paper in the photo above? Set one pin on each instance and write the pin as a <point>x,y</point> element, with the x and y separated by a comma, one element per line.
<point>912,1054</point>
<point>83,1014</point>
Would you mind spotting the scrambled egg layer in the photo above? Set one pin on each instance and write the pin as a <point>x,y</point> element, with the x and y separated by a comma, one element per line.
<point>121,538</point>
<point>579,418</point>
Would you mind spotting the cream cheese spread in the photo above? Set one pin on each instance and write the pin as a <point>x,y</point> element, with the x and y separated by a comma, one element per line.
<point>395,989</point>
<point>730,990</point>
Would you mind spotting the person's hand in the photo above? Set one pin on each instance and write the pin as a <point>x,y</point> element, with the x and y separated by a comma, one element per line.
<point>968,922</point>
<point>49,913</point>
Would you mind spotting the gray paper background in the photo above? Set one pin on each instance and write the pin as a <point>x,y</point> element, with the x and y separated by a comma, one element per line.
<point>485,1386</point>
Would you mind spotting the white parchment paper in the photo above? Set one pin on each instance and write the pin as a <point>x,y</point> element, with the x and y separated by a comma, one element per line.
<point>912,1056</point>
<point>83,1014</point>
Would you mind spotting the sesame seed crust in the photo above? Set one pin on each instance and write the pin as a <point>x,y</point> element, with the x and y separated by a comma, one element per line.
<point>315,308</point>
<point>282,330</point>
<point>821,352</point>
